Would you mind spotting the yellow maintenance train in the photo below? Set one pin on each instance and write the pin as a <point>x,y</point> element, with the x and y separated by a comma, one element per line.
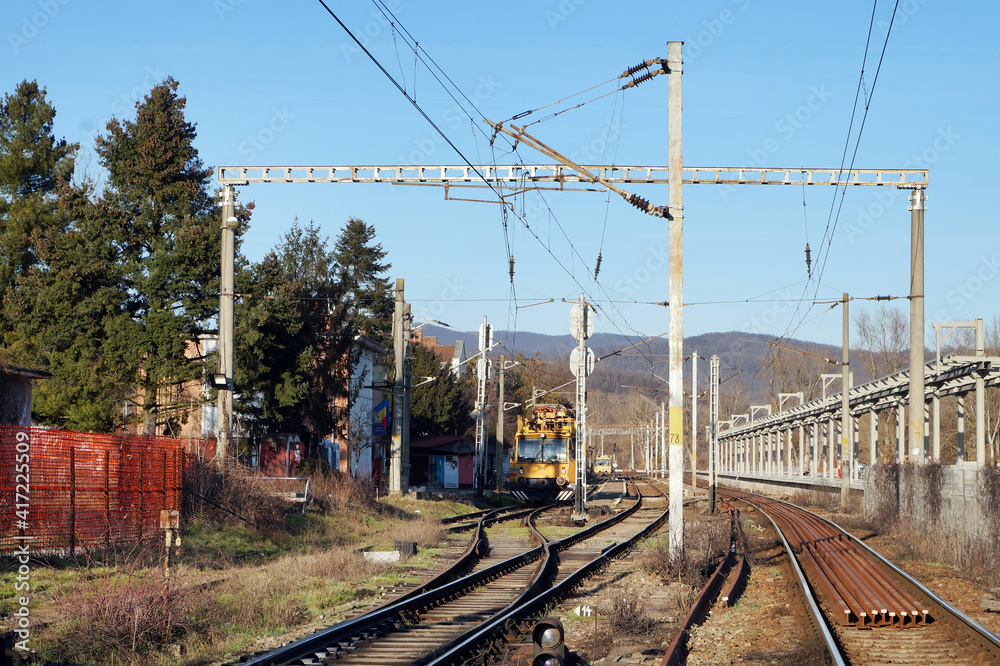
<point>543,465</point>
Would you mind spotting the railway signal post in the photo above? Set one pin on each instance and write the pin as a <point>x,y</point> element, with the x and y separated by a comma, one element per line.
<point>581,363</point>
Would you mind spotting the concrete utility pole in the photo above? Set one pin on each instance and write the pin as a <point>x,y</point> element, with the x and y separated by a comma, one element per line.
<point>500,409</point>
<point>845,414</point>
<point>694,422</point>
<point>581,326</point>
<point>675,163</point>
<point>917,206</point>
<point>223,382</point>
<point>482,371</point>
<point>399,448</point>
<point>713,416</point>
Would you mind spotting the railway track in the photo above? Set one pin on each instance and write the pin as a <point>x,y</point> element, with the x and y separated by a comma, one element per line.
<point>868,610</point>
<point>506,582</point>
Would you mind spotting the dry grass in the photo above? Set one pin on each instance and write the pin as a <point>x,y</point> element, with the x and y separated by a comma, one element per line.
<point>624,611</point>
<point>706,538</point>
<point>121,611</point>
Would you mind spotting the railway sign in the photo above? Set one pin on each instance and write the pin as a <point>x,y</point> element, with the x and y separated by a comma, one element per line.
<point>576,317</point>
<point>574,361</point>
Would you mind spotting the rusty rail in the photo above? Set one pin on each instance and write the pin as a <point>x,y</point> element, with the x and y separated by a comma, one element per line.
<point>703,603</point>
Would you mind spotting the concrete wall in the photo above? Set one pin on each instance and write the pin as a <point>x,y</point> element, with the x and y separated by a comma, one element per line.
<point>933,496</point>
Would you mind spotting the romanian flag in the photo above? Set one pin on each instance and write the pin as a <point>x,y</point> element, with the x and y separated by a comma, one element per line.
<point>380,424</point>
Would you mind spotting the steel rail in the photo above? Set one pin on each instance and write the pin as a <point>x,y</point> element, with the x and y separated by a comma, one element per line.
<point>709,592</point>
<point>398,613</point>
<point>988,639</point>
<point>817,615</point>
<point>489,637</point>
<point>388,616</point>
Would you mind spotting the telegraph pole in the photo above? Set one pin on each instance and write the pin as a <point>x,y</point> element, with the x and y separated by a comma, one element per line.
<point>917,205</point>
<point>846,431</point>
<point>675,227</point>
<point>224,382</point>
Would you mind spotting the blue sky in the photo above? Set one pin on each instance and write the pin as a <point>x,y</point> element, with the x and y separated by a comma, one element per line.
<point>765,84</point>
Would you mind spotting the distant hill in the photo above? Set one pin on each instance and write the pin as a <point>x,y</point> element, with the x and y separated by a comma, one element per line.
<point>737,351</point>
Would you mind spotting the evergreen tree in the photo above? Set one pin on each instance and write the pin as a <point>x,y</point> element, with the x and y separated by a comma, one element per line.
<point>61,316</point>
<point>440,407</point>
<point>32,163</point>
<point>361,271</point>
<point>294,339</point>
<point>167,237</point>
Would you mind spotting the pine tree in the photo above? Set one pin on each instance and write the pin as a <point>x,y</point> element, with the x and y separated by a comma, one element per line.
<point>294,339</point>
<point>440,407</point>
<point>167,235</point>
<point>61,314</point>
<point>361,271</point>
<point>32,163</point>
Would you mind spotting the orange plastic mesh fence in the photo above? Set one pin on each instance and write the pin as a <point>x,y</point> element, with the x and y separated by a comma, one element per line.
<point>62,490</point>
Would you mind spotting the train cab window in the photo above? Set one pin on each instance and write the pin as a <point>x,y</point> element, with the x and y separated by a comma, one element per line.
<point>551,449</point>
<point>529,449</point>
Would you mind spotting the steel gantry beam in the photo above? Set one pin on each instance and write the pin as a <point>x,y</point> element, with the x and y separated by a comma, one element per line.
<point>561,175</point>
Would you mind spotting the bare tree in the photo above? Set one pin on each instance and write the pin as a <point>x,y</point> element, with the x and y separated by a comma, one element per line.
<point>883,340</point>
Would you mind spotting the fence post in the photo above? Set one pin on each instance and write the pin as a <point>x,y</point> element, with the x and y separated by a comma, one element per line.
<point>107,499</point>
<point>72,501</point>
<point>142,497</point>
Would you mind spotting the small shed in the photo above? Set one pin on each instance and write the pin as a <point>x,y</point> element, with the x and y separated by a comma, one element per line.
<point>433,459</point>
<point>15,394</point>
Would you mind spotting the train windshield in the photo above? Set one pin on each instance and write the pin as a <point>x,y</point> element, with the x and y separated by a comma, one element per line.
<point>543,449</point>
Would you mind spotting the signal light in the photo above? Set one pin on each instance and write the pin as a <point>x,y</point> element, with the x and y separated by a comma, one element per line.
<point>549,645</point>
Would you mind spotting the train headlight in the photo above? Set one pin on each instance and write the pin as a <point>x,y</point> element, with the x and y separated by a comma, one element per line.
<point>560,480</point>
<point>520,470</point>
<point>548,640</point>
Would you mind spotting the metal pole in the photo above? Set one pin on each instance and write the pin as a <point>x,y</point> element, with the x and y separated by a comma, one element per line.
<point>694,422</point>
<point>498,458</point>
<point>916,422</point>
<point>713,415</point>
<point>396,446</point>
<point>226,323</point>
<point>580,498</point>
<point>482,367</point>
<point>845,412</point>
<point>980,400</point>
<point>675,165</point>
